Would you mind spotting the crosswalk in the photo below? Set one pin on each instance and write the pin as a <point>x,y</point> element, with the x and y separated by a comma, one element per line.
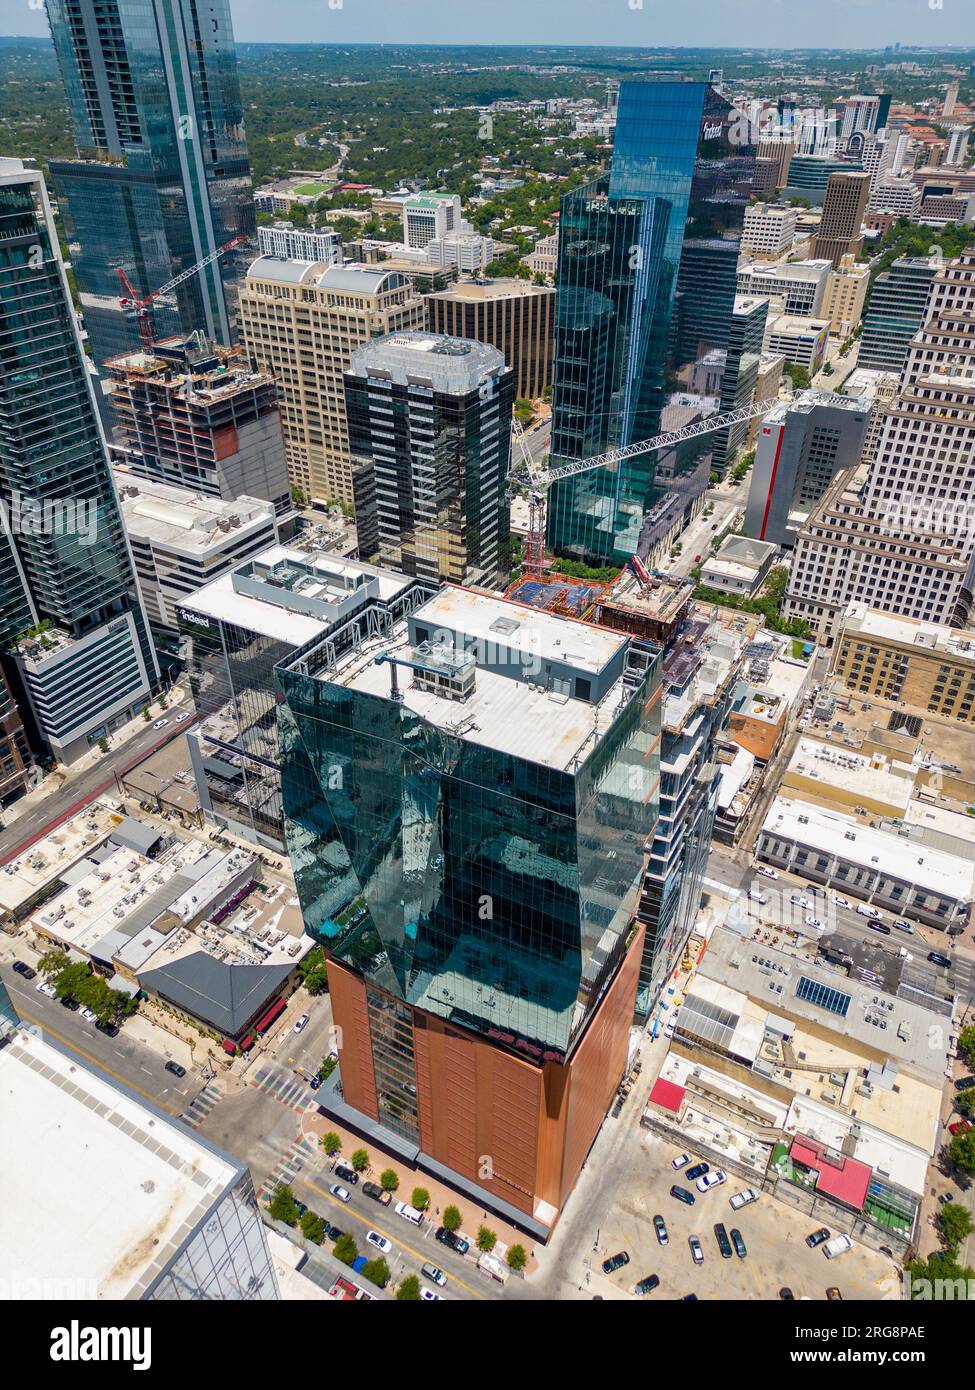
<point>281,1082</point>
<point>289,1165</point>
<point>196,1113</point>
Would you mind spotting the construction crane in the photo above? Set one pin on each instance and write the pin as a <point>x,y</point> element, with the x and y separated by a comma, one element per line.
<point>540,478</point>
<point>142,305</point>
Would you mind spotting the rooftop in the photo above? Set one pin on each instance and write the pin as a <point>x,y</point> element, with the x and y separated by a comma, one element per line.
<point>454,365</point>
<point>185,521</point>
<point>831,768</point>
<point>355,279</point>
<point>912,632</point>
<point>477,291</point>
<point>137,1185</point>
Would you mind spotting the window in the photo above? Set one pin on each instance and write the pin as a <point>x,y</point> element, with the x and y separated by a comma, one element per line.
<point>823,996</point>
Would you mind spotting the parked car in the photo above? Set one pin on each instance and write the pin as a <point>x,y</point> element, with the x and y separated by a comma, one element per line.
<point>739,1244</point>
<point>743,1198</point>
<point>682,1195</point>
<point>45,988</point>
<point>70,1002</point>
<point>867,910</point>
<point>697,1171</point>
<point>409,1213</point>
<point>680,1162</point>
<point>839,901</point>
<point>377,1193</point>
<point>834,1295</point>
<point>660,1226</point>
<point>453,1240</point>
<point>800,900</point>
<point>175,1068</point>
<point>332,1232</point>
<point>965,1083</point>
<point>342,1193</point>
<point>900,925</point>
<point>89,1015</point>
<point>697,1254</point>
<point>936,958</point>
<point>710,1180</point>
<point>757,896</point>
<point>316,1081</point>
<point>817,1237</point>
<point>615,1262</point>
<point>959,1127</point>
<point>815,923</point>
<point>837,1246</point>
<point>724,1244</point>
<point>107,1027</point>
<point>22,968</point>
<point>765,872</point>
<point>432,1272</point>
<point>347,1174</point>
<point>301,1023</point>
<point>787,1295</point>
<point>428,1295</point>
<point>648,1284</point>
<point>380,1242</point>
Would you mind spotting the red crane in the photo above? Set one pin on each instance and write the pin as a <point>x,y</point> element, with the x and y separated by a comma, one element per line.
<point>142,305</point>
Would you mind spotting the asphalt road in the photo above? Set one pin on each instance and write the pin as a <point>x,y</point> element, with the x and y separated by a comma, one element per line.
<point>61,803</point>
<point>125,1060</point>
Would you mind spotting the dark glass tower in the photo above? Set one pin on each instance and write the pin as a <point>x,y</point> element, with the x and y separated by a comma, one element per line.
<point>64,561</point>
<point>162,178</point>
<point>646,278</point>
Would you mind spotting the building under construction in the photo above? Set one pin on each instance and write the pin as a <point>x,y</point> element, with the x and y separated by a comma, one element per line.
<point>193,413</point>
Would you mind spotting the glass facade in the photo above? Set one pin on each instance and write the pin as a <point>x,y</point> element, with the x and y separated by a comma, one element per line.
<point>72,568</point>
<point>494,891</point>
<point>646,278</point>
<point>163,177</point>
<point>226,1258</point>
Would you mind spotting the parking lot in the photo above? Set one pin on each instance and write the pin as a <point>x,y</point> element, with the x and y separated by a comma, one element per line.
<point>774,1235</point>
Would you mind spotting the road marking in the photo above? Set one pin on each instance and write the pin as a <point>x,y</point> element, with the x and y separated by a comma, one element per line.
<point>89,1057</point>
<point>346,1206</point>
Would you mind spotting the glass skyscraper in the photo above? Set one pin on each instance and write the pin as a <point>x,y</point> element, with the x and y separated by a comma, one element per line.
<point>71,617</point>
<point>162,177</point>
<point>646,277</point>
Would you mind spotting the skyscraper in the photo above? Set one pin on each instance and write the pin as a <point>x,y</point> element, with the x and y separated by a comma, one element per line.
<point>162,179</point>
<point>430,437</point>
<point>71,620</point>
<point>896,310</point>
<point>468,788</point>
<point>844,204</point>
<point>646,278</point>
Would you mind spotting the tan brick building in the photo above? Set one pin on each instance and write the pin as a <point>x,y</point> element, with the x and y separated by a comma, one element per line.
<point>916,663</point>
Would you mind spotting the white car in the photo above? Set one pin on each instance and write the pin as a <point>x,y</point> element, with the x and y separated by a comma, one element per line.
<point>757,896</point>
<point>800,901</point>
<point>429,1296</point>
<point>44,988</point>
<point>89,1016</point>
<point>900,925</point>
<point>709,1180</point>
<point>840,902</point>
<point>865,910</point>
<point>301,1022</point>
<point>744,1198</point>
<point>342,1193</point>
<point>680,1162</point>
<point>161,724</point>
<point>182,717</point>
<point>697,1254</point>
<point>815,923</point>
<point>380,1242</point>
<point>766,873</point>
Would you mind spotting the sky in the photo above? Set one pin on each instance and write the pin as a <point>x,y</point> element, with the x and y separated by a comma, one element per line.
<point>640,23</point>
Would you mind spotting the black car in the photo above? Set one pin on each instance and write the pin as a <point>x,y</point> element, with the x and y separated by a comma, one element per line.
<point>787,1295</point>
<point>377,1193</point>
<point>332,1232</point>
<point>111,1029</point>
<point>453,1240</point>
<point>965,1083</point>
<point>724,1244</point>
<point>348,1175</point>
<point>660,1226</point>
<point>615,1262</point>
<point>738,1243</point>
<point>697,1171</point>
<point>936,958</point>
<point>682,1195</point>
<point>817,1237</point>
<point>22,968</point>
<point>69,1002</point>
<point>648,1284</point>
<point>175,1068</point>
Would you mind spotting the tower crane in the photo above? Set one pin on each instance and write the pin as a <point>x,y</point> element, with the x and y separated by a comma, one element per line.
<point>142,304</point>
<point>539,477</point>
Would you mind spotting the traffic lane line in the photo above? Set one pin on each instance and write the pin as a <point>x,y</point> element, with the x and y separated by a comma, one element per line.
<point>90,1057</point>
<point>345,1206</point>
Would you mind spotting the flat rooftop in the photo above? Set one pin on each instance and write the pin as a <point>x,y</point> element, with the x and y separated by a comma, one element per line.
<point>99,1191</point>
<point>834,768</point>
<point>185,521</point>
<point>912,632</point>
<point>47,859</point>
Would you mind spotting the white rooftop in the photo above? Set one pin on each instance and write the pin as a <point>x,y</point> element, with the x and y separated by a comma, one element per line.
<point>186,521</point>
<point>98,1192</point>
<point>876,778</point>
<point>914,632</point>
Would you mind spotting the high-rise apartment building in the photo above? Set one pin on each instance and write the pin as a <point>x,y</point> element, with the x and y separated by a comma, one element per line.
<point>768,231</point>
<point>846,294</point>
<point>71,621</point>
<point>897,534</point>
<point>191,413</point>
<point>896,310</point>
<point>957,149</point>
<point>845,203</point>
<point>319,244</point>
<point>740,374</point>
<point>15,758</point>
<point>302,322</point>
<point>512,315</point>
<point>162,179</point>
<point>467,793</point>
<point>801,285</point>
<point>772,161</point>
<point>648,259</point>
<point>430,438</point>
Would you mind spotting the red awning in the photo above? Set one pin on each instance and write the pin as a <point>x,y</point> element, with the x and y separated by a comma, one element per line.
<point>265,1021</point>
<point>667,1095</point>
<point>839,1177</point>
<point>248,1043</point>
<point>229,1046</point>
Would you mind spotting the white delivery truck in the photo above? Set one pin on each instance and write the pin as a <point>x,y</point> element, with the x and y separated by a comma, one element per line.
<point>837,1246</point>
